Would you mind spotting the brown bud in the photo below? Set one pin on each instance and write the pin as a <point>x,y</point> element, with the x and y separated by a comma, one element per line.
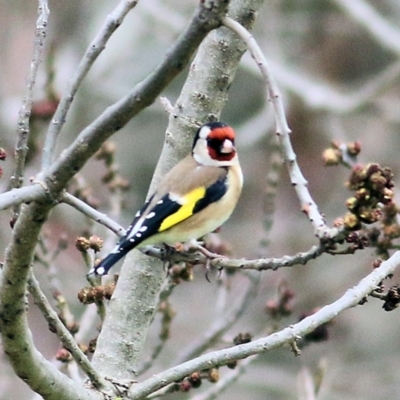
<point>232,364</point>
<point>351,203</point>
<point>95,243</point>
<point>351,222</point>
<point>354,148</point>
<point>242,338</point>
<point>213,375</point>
<point>63,355</point>
<point>185,386</point>
<point>331,157</point>
<point>3,154</point>
<point>82,244</point>
<point>195,379</point>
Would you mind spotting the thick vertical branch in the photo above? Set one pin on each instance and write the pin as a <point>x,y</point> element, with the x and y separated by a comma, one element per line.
<point>120,344</point>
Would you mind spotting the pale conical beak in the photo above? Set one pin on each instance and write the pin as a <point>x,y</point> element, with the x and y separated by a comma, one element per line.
<point>227,147</point>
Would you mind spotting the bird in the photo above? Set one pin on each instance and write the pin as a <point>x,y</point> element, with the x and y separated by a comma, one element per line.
<point>194,198</point>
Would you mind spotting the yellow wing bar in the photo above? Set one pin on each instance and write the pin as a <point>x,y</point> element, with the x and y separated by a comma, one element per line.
<point>186,210</point>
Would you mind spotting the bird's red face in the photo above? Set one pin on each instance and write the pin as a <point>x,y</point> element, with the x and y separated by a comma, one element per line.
<point>214,145</point>
<point>221,143</point>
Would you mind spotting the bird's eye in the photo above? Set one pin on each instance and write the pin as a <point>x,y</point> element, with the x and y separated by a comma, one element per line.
<point>213,143</point>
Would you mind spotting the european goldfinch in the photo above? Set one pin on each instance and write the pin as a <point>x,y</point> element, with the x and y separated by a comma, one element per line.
<point>195,197</point>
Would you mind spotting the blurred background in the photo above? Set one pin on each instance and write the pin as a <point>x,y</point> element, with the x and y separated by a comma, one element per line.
<point>338,66</point>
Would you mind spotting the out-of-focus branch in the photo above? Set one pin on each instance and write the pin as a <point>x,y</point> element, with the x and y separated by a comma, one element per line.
<point>113,21</point>
<point>291,334</point>
<point>21,146</point>
<point>62,332</point>
<point>322,96</point>
<point>92,213</point>
<point>308,205</point>
<point>386,34</point>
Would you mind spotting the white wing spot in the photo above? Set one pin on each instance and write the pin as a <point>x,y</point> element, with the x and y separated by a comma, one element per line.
<point>137,214</point>
<point>160,201</point>
<point>151,215</point>
<point>138,235</point>
<point>100,271</point>
<point>143,229</point>
<point>115,250</point>
<point>132,240</point>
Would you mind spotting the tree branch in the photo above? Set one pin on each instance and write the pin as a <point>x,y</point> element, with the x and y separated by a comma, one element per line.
<point>90,212</point>
<point>21,195</point>
<point>21,147</point>
<point>113,21</point>
<point>27,362</point>
<point>62,332</point>
<point>308,205</point>
<point>290,334</point>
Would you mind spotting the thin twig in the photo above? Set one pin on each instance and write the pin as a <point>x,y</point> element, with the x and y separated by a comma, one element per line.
<point>90,212</point>
<point>351,298</point>
<point>260,264</point>
<point>308,206</point>
<point>21,146</point>
<point>113,21</point>
<point>62,332</point>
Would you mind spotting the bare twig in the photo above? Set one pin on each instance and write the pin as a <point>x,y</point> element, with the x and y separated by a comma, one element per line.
<point>113,21</point>
<point>351,298</point>
<point>308,206</point>
<point>21,146</point>
<point>92,213</point>
<point>259,264</point>
<point>62,332</point>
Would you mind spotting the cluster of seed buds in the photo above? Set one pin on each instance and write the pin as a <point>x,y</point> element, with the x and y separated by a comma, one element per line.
<point>3,156</point>
<point>94,243</point>
<point>112,177</point>
<point>241,338</point>
<point>89,295</point>
<point>373,186</point>
<point>181,272</point>
<point>341,153</point>
<point>280,307</point>
<point>392,300</point>
<point>194,380</point>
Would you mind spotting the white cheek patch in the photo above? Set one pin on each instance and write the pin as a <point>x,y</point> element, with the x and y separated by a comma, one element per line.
<point>204,131</point>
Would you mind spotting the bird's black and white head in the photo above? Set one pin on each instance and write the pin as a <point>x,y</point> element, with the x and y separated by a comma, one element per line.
<point>214,145</point>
